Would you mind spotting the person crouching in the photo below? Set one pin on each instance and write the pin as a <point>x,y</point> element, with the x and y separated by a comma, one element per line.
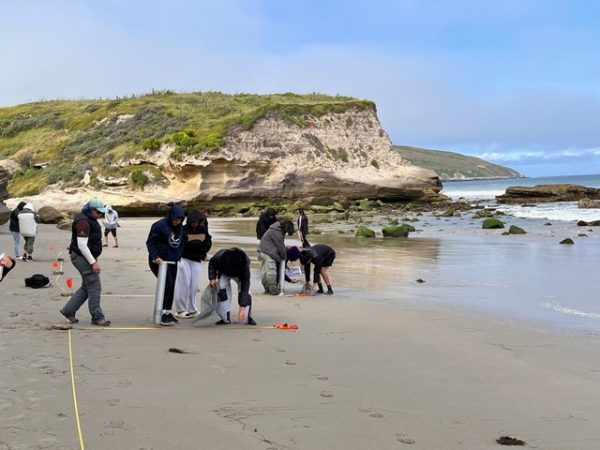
<point>224,266</point>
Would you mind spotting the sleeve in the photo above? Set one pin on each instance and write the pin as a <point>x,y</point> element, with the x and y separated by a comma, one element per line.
<point>307,272</point>
<point>151,242</point>
<point>82,245</point>
<point>280,245</point>
<point>245,282</point>
<point>213,270</point>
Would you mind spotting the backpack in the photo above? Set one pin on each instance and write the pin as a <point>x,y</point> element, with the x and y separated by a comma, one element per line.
<point>37,281</point>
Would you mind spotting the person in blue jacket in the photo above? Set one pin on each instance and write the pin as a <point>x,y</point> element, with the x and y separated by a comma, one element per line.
<point>165,243</point>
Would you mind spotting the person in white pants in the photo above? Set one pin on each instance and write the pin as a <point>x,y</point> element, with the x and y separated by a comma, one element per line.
<point>224,266</point>
<point>195,249</point>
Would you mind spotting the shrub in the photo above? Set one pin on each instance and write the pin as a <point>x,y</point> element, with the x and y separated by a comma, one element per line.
<point>138,178</point>
<point>151,144</point>
<point>365,232</point>
<point>374,163</point>
<point>348,122</point>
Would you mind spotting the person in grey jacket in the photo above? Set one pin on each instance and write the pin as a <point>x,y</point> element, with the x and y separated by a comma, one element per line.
<point>271,252</point>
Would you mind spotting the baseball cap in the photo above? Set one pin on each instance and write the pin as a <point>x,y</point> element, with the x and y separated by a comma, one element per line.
<point>96,204</point>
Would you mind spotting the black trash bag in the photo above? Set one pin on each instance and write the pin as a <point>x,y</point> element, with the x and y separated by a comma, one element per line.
<point>37,281</point>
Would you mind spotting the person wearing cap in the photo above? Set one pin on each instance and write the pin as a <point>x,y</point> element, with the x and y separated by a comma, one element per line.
<point>111,223</point>
<point>6,265</point>
<point>165,244</point>
<point>28,227</point>
<point>84,250</point>
<point>197,244</point>
<point>224,266</point>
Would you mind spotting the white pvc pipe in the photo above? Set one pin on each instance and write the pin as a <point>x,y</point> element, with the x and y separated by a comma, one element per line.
<point>282,277</point>
<point>160,290</point>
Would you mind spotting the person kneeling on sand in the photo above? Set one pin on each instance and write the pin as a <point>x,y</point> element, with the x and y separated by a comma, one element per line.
<point>6,265</point>
<point>224,266</point>
<point>322,256</point>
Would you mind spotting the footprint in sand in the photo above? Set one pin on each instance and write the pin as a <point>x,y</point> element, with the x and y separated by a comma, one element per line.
<point>290,363</point>
<point>326,394</point>
<point>371,413</point>
<point>113,401</point>
<point>257,339</point>
<point>281,350</point>
<point>117,423</point>
<point>403,438</point>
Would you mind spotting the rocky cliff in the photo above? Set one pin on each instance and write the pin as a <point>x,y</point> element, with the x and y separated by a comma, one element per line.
<point>342,154</point>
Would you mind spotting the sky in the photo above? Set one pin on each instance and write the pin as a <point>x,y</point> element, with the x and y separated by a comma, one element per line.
<point>515,82</point>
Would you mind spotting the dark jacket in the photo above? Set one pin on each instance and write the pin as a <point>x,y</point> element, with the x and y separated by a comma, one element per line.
<point>272,243</point>
<point>234,263</point>
<point>14,217</point>
<point>303,225</point>
<point>95,238</point>
<point>164,240</point>
<point>198,242</point>
<point>265,220</point>
<point>321,256</point>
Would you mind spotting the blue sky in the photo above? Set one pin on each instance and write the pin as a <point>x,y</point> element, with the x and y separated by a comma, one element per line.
<point>516,82</point>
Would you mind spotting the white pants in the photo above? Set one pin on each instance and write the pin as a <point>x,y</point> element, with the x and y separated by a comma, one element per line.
<point>186,285</point>
<point>224,307</point>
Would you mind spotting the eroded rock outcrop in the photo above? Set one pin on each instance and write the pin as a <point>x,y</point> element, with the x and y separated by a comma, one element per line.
<point>548,193</point>
<point>337,156</point>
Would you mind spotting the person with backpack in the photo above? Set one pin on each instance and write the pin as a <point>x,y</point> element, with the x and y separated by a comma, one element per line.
<point>84,250</point>
<point>271,253</point>
<point>196,247</point>
<point>28,227</point>
<point>13,227</point>
<point>224,266</point>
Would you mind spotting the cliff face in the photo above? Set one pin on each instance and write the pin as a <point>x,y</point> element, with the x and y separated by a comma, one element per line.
<point>335,156</point>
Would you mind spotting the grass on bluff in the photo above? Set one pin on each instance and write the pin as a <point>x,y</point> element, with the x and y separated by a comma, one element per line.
<point>94,133</point>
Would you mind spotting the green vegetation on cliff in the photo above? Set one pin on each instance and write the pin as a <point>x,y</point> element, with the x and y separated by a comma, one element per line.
<point>454,166</point>
<point>59,140</point>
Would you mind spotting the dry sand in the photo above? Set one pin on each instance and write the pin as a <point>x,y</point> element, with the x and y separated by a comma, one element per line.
<point>356,374</point>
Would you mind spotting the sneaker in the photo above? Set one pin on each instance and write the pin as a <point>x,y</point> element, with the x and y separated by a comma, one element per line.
<point>329,292</point>
<point>222,322</point>
<point>167,320</point>
<point>24,257</point>
<point>70,319</point>
<point>194,313</point>
<point>30,258</point>
<point>101,322</point>
<point>251,321</point>
<point>183,315</point>
<point>320,291</point>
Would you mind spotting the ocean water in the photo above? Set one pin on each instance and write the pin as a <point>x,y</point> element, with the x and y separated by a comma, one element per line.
<point>487,190</point>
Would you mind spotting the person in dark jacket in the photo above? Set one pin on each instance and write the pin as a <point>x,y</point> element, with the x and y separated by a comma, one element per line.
<point>196,247</point>
<point>6,265</point>
<point>85,249</point>
<point>303,228</point>
<point>165,244</point>
<point>322,256</point>
<point>13,227</point>
<point>224,266</point>
<point>267,218</point>
<point>271,253</point>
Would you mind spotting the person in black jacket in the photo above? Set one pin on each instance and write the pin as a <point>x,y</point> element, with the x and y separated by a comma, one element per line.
<point>196,247</point>
<point>85,249</point>
<point>13,227</point>
<point>224,266</point>
<point>267,218</point>
<point>303,228</point>
<point>322,256</point>
<point>165,243</point>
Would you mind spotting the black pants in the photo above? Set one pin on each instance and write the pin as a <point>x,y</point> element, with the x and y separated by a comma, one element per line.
<point>169,283</point>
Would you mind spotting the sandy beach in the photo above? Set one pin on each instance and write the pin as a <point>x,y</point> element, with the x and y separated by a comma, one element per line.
<point>371,367</point>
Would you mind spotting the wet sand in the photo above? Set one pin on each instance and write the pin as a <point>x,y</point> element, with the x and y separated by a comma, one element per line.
<point>367,369</point>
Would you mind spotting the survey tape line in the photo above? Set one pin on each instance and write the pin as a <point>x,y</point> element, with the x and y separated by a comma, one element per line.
<point>80,434</point>
<point>127,295</point>
<point>241,327</point>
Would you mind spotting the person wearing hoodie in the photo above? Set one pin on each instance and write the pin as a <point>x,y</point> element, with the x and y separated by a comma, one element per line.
<point>267,218</point>
<point>195,249</point>
<point>84,250</point>
<point>271,253</point>
<point>28,227</point>
<point>13,227</point>
<point>111,223</point>
<point>165,243</point>
<point>224,266</point>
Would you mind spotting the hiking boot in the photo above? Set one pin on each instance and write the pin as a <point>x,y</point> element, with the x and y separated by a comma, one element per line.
<point>101,322</point>
<point>70,319</point>
<point>329,291</point>
<point>251,321</point>
<point>167,320</point>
